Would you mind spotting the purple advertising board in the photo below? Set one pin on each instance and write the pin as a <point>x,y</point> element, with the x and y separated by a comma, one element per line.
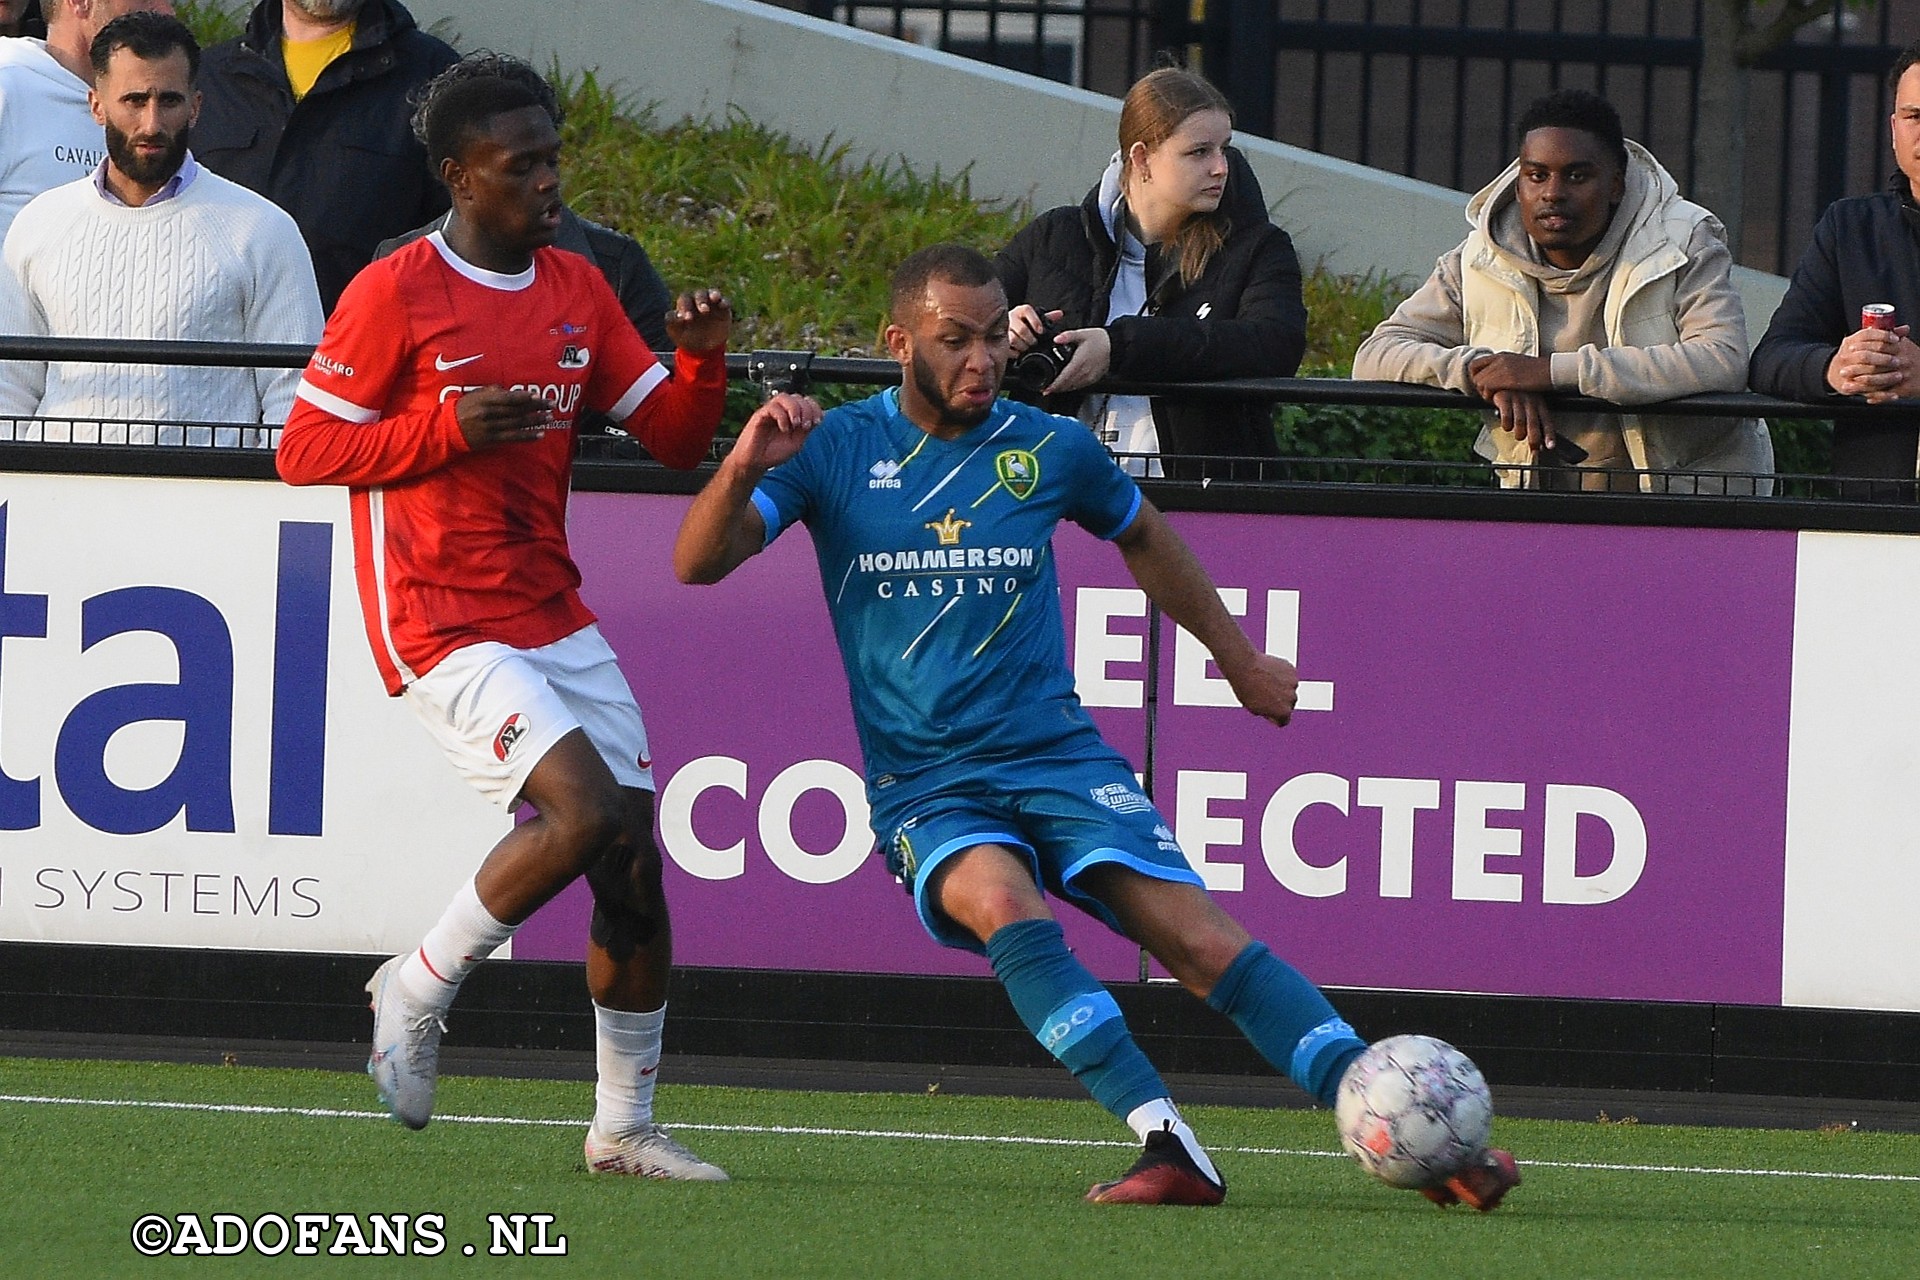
<point>1532,759</point>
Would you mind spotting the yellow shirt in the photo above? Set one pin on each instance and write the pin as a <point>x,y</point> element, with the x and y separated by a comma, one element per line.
<point>306,59</point>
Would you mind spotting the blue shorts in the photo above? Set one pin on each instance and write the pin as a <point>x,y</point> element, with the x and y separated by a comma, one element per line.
<point>1065,814</point>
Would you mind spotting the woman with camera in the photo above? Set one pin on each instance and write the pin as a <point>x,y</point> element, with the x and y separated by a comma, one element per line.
<point>1168,271</point>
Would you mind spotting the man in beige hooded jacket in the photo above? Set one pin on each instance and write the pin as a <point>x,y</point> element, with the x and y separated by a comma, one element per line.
<point>1585,272</point>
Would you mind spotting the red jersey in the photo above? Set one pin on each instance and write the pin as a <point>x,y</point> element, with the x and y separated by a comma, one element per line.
<point>453,547</point>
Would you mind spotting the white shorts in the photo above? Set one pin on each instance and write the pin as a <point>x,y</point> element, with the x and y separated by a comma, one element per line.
<point>496,710</point>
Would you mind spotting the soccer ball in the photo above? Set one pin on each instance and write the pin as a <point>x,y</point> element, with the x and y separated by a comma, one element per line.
<point>1414,1111</point>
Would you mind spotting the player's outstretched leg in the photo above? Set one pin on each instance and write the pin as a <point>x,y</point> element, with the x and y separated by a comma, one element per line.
<point>629,957</point>
<point>1288,1020</point>
<point>410,995</point>
<point>1077,1021</point>
<point>1295,1027</point>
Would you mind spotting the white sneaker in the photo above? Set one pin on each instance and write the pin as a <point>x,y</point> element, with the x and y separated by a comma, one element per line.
<point>648,1153</point>
<point>405,1065</point>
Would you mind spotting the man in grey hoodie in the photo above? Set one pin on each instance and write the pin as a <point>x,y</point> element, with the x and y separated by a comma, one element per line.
<point>1585,272</point>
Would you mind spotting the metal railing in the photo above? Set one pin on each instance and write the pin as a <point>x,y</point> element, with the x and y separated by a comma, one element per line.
<point>800,370</point>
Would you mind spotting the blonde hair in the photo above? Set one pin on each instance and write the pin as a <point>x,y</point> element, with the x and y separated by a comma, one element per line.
<point>1158,104</point>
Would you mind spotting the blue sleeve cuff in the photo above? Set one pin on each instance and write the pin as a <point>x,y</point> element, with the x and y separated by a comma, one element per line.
<point>769,516</point>
<point>1126,521</point>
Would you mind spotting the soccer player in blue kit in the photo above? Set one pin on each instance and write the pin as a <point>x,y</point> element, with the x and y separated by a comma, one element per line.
<point>932,510</point>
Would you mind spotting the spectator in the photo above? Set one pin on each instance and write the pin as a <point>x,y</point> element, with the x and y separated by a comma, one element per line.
<point>47,134</point>
<point>1168,270</point>
<point>1865,249</point>
<point>1585,271</point>
<point>153,246</point>
<point>310,109</point>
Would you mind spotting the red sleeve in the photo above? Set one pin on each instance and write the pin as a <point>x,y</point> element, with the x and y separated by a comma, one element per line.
<point>673,416</point>
<point>342,428</point>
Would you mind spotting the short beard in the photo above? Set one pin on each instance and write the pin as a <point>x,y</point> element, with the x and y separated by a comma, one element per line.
<point>146,173</point>
<point>948,416</point>
<point>329,10</point>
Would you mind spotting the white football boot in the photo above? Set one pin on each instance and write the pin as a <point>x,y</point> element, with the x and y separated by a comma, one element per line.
<point>648,1152</point>
<point>405,1065</point>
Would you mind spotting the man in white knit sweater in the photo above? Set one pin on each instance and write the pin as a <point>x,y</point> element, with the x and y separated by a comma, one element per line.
<point>152,246</point>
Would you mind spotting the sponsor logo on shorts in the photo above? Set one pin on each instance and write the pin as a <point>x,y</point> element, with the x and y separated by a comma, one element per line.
<point>516,728</point>
<point>904,856</point>
<point>1120,798</point>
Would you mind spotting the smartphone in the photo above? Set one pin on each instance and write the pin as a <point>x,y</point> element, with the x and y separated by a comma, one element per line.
<point>1564,453</point>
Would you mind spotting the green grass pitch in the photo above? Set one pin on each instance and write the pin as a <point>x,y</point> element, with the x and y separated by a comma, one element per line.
<point>883,1185</point>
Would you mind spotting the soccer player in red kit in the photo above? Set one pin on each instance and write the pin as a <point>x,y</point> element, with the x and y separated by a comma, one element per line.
<point>444,394</point>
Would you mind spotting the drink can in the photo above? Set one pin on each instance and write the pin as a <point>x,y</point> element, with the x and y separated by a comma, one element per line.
<point>1877,315</point>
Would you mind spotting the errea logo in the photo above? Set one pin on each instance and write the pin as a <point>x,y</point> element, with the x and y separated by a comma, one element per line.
<point>886,475</point>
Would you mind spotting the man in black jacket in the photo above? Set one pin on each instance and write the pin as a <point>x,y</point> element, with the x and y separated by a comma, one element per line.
<point>1865,250</point>
<point>334,149</point>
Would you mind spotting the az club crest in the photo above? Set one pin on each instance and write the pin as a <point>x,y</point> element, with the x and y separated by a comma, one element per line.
<point>1019,471</point>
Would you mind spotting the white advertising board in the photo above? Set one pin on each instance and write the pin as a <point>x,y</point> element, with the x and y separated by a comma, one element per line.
<point>1853,771</point>
<point>195,749</point>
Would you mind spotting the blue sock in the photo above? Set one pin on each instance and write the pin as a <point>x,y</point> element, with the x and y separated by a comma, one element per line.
<point>1071,1015</point>
<point>1288,1020</point>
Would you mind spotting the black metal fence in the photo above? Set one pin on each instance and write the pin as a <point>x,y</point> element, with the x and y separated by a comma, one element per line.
<point>801,370</point>
<point>1432,88</point>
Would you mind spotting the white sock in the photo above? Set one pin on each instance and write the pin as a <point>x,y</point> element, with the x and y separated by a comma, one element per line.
<point>627,1052</point>
<point>466,934</point>
<point>1159,1114</point>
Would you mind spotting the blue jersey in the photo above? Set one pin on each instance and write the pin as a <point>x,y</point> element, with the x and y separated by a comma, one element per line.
<point>937,560</point>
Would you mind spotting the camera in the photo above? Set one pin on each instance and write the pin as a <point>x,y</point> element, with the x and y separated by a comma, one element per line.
<point>1035,368</point>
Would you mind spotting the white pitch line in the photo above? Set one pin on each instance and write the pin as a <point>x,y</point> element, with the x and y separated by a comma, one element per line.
<point>810,1131</point>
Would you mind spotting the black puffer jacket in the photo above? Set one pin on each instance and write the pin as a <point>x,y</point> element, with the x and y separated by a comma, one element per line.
<point>343,160</point>
<point>1243,318</point>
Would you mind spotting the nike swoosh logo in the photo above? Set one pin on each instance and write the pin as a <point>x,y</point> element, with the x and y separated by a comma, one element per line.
<point>443,364</point>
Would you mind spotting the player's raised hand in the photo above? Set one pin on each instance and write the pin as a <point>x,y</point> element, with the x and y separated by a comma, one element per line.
<point>776,431</point>
<point>700,321</point>
<point>1266,685</point>
<point>493,416</point>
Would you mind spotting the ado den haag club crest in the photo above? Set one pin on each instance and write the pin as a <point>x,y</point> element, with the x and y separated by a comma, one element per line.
<point>1019,471</point>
